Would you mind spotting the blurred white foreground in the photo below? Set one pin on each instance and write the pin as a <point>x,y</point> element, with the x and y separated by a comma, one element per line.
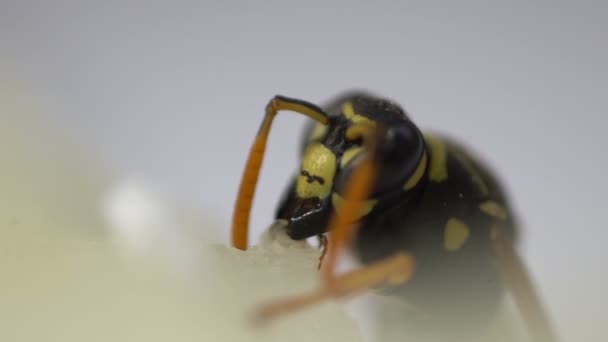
<point>79,263</point>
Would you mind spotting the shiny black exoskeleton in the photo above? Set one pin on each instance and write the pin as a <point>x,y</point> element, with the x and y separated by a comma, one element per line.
<point>432,199</point>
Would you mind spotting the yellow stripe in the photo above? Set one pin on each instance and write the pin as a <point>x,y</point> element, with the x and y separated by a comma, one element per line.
<point>438,169</point>
<point>415,178</point>
<point>349,113</point>
<point>493,209</point>
<point>349,155</point>
<point>348,110</point>
<point>366,206</point>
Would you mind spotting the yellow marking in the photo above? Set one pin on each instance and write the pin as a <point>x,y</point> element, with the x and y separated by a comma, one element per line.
<point>362,119</point>
<point>349,155</point>
<point>455,235</point>
<point>317,161</point>
<point>438,169</point>
<point>360,130</point>
<point>318,132</point>
<point>415,177</point>
<point>349,113</point>
<point>493,209</point>
<point>348,110</point>
<point>366,206</point>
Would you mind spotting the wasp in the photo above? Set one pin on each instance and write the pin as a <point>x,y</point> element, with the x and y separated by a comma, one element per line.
<point>429,222</point>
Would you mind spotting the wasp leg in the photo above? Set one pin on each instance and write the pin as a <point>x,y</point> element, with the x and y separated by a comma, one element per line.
<point>392,271</point>
<point>242,210</point>
<point>342,226</point>
<point>522,288</point>
<point>324,245</point>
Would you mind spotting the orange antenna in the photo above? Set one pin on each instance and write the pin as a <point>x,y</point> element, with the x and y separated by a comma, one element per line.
<point>242,209</point>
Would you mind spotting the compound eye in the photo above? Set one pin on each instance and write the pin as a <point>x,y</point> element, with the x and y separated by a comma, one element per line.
<point>403,143</point>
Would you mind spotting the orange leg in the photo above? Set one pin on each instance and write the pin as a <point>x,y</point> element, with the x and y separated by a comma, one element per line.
<point>242,210</point>
<point>394,270</point>
<point>342,226</point>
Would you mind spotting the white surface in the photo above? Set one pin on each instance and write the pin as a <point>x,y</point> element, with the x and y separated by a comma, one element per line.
<point>66,277</point>
<point>78,289</point>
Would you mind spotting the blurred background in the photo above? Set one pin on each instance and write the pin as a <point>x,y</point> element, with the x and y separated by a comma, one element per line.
<point>168,96</point>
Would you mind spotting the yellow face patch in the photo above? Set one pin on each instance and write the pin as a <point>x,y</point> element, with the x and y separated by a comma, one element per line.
<point>455,235</point>
<point>318,131</point>
<point>317,172</point>
<point>438,168</point>
<point>349,113</point>
<point>417,175</point>
<point>366,206</point>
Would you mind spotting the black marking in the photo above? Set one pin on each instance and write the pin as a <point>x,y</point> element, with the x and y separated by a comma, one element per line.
<point>312,178</point>
<point>413,220</point>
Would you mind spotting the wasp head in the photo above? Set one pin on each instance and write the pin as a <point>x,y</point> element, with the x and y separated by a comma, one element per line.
<point>328,158</point>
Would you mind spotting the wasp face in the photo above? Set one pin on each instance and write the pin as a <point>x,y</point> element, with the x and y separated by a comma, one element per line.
<point>307,206</point>
<point>328,158</point>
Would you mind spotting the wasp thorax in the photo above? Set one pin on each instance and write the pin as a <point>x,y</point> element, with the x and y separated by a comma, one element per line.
<point>317,172</point>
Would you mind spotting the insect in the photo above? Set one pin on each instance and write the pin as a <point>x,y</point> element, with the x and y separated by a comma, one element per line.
<point>429,222</point>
